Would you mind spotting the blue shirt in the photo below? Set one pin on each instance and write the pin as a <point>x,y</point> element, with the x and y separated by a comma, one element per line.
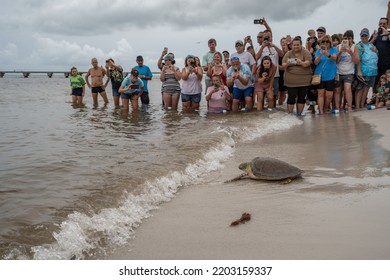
<point>368,59</point>
<point>132,87</point>
<point>144,71</point>
<point>245,72</point>
<point>327,67</point>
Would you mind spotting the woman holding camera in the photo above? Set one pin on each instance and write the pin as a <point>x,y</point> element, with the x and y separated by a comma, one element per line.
<point>218,95</point>
<point>191,91</point>
<point>264,80</point>
<point>170,76</point>
<point>297,76</point>
<point>347,57</point>
<point>325,61</point>
<point>115,74</point>
<point>131,89</point>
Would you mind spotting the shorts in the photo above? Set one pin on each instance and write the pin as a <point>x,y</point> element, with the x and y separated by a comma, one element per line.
<point>98,89</point>
<point>240,94</point>
<point>343,79</point>
<point>77,91</point>
<point>369,82</point>
<point>130,96</point>
<point>262,89</point>
<point>327,85</point>
<point>191,97</point>
<point>115,92</point>
<point>297,95</point>
<point>145,98</point>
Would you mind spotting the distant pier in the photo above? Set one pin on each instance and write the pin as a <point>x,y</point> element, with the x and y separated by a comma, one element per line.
<point>50,74</point>
<point>26,74</point>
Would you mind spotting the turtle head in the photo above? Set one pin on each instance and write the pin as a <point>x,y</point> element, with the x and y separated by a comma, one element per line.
<point>243,166</point>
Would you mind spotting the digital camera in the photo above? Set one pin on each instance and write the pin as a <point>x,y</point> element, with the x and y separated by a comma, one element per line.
<point>292,61</point>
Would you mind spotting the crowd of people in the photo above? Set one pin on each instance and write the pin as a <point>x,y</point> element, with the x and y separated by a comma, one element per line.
<point>325,72</point>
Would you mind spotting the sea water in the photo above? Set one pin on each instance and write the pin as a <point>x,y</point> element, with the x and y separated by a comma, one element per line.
<point>78,181</point>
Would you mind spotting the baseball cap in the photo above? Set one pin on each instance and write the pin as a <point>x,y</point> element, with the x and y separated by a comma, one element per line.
<point>234,58</point>
<point>239,43</point>
<point>364,32</point>
<point>321,29</point>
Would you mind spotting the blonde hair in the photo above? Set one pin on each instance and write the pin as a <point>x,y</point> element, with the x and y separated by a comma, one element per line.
<point>325,38</point>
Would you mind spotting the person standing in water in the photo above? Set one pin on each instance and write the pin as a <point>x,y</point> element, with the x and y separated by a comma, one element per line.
<point>77,84</point>
<point>97,84</point>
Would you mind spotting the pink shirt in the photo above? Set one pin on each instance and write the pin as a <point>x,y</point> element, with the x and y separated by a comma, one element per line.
<point>217,102</point>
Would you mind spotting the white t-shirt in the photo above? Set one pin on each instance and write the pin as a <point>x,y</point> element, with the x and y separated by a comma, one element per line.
<point>273,54</point>
<point>245,58</point>
<point>345,65</point>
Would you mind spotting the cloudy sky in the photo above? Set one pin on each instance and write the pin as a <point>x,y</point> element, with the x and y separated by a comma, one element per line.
<point>58,34</point>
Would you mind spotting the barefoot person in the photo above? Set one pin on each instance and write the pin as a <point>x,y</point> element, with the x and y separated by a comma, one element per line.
<point>131,90</point>
<point>97,84</point>
<point>115,74</point>
<point>77,85</point>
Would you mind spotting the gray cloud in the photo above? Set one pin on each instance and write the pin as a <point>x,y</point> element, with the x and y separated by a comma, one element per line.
<point>54,34</point>
<point>90,17</point>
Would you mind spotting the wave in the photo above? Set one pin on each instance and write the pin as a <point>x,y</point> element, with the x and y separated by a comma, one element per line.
<point>83,236</point>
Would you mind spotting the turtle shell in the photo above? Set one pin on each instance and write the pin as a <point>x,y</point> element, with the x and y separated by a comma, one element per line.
<point>266,168</point>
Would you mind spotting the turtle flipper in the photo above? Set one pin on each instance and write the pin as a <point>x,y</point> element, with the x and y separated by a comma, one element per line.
<point>287,181</point>
<point>236,178</point>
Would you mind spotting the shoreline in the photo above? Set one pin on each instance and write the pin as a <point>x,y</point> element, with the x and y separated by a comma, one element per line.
<point>332,213</point>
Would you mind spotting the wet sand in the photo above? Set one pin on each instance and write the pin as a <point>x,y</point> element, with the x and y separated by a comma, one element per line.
<point>338,210</point>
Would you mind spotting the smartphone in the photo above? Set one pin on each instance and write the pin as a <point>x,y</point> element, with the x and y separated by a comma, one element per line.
<point>165,49</point>
<point>345,44</point>
<point>258,21</point>
<point>248,38</point>
<point>322,47</point>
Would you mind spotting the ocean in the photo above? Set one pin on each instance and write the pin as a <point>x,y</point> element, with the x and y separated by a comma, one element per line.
<point>77,182</point>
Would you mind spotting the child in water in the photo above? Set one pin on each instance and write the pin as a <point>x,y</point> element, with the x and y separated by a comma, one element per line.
<point>77,84</point>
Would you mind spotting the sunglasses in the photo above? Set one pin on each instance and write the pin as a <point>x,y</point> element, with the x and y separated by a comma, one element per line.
<point>326,41</point>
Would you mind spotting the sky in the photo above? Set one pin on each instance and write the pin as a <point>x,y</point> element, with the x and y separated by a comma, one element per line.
<point>56,35</point>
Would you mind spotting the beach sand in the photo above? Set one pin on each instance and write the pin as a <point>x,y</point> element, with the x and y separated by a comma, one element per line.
<point>338,210</point>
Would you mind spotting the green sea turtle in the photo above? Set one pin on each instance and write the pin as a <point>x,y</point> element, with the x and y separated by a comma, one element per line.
<point>270,169</point>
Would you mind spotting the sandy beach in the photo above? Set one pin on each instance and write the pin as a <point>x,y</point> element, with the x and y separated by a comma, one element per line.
<point>338,210</point>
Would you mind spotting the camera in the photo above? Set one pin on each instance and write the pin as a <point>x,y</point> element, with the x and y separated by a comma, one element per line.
<point>380,31</point>
<point>345,44</point>
<point>266,40</point>
<point>216,86</point>
<point>235,70</point>
<point>322,47</point>
<point>292,61</point>
<point>193,64</point>
<point>258,21</point>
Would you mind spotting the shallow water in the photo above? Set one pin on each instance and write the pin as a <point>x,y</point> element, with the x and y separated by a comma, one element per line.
<point>77,182</point>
